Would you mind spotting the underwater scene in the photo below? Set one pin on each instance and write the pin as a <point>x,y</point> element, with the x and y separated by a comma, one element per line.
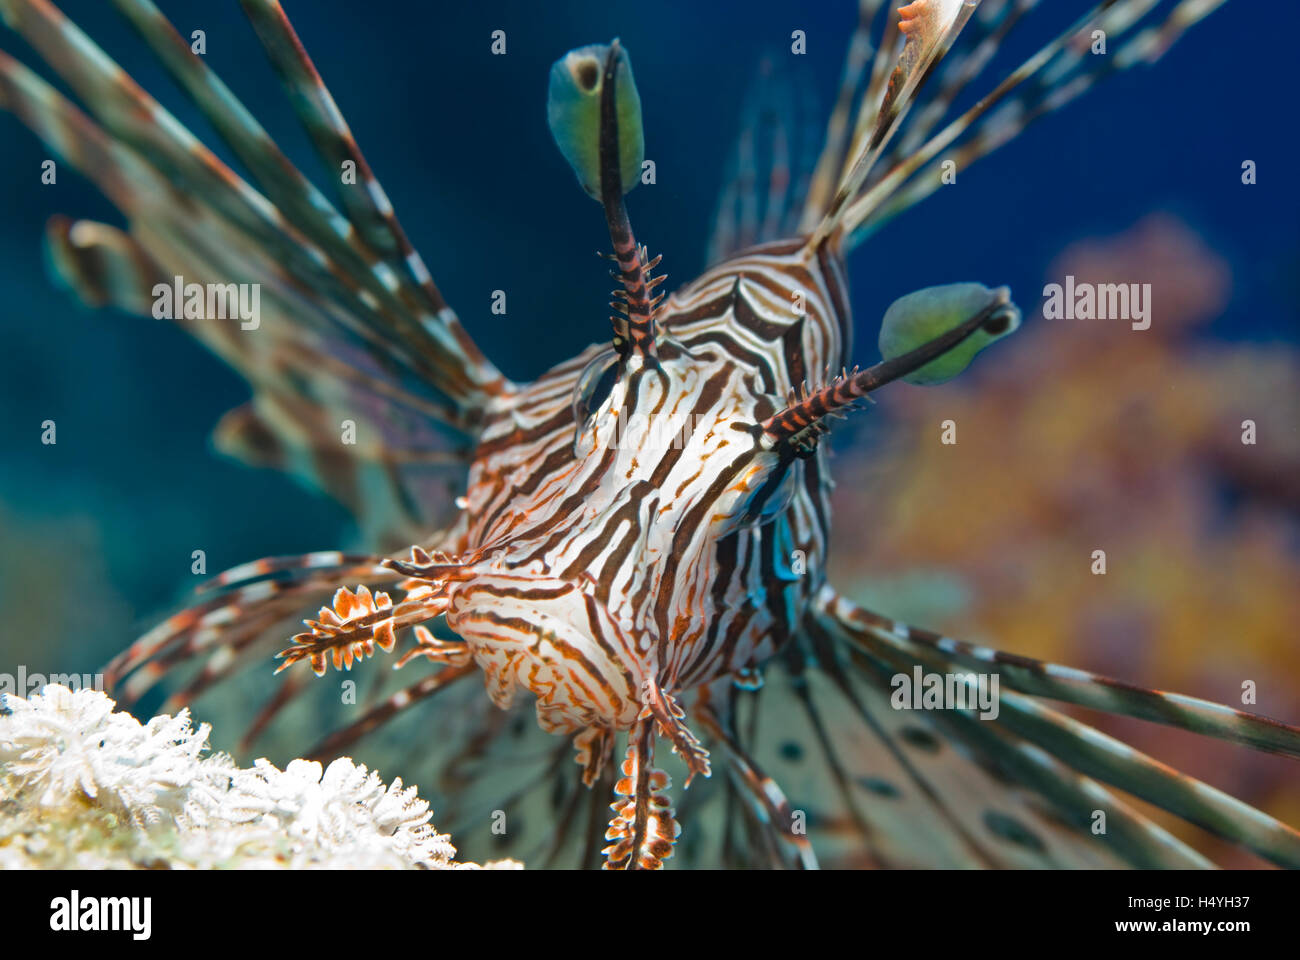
<point>925,495</point>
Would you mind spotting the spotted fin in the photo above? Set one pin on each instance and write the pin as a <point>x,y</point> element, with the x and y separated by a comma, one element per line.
<point>885,788</point>
<point>1034,729</point>
<point>1086,689</point>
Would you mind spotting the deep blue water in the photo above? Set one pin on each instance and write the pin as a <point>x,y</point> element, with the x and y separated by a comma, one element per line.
<point>459,139</point>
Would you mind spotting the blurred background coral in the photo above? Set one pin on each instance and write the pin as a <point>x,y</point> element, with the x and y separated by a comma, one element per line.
<point>1089,435</point>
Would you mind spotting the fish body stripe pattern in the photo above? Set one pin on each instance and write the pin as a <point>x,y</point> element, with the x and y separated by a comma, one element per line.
<point>752,329</point>
<point>640,544</point>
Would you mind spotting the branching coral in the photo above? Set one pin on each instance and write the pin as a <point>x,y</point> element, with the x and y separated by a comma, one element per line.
<point>84,787</point>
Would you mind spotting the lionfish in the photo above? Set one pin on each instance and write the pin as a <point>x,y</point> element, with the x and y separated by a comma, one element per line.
<point>649,592</point>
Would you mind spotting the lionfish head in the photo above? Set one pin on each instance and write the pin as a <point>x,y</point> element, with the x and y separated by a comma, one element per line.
<point>604,577</point>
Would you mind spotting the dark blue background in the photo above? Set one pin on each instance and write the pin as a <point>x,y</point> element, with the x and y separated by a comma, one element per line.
<point>459,139</point>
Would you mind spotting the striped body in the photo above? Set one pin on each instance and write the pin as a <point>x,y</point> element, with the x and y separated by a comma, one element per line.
<point>666,554</point>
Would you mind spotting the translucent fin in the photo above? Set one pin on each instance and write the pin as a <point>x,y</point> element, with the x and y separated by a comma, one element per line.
<point>839,127</point>
<point>140,124</point>
<point>1093,690</point>
<point>981,39</point>
<point>340,741</point>
<point>227,620</point>
<point>309,210</point>
<point>333,343</point>
<point>1084,749</point>
<point>925,56</point>
<point>917,790</point>
<point>1053,77</point>
<point>930,27</point>
<point>768,803</point>
<point>366,203</point>
<point>772,166</point>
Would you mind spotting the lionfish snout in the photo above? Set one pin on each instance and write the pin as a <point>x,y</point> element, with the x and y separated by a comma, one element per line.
<point>566,639</point>
<point>556,639</point>
<point>576,644</point>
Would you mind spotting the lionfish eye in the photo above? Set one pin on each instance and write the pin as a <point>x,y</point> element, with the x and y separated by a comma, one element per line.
<point>595,384</point>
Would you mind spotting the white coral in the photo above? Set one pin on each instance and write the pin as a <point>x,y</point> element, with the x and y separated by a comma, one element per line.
<point>82,786</point>
<point>62,741</point>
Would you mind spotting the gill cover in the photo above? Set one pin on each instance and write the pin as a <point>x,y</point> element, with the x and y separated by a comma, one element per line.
<point>573,111</point>
<point>926,314</point>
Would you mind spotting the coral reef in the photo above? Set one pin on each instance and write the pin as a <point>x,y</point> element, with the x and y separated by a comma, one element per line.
<point>82,786</point>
